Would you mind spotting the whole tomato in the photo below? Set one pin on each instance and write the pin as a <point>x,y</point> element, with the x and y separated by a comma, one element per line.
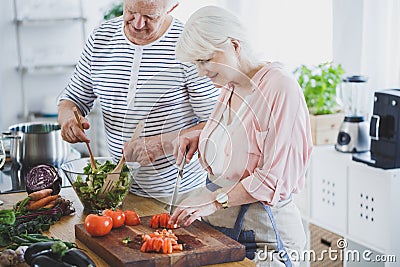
<point>97,225</point>
<point>118,217</point>
<point>131,218</point>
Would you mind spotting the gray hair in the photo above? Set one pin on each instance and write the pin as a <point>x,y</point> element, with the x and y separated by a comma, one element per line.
<point>168,4</point>
<point>210,29</point>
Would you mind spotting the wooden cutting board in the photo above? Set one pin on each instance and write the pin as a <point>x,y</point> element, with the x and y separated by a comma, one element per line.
<point>203,246</point>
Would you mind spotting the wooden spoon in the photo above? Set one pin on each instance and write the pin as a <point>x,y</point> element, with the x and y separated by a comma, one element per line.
<point>92,162</point>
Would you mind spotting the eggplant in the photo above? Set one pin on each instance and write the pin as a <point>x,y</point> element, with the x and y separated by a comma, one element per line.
<point>35,250</point>
<point>45,261</point>
<point>78,258</point>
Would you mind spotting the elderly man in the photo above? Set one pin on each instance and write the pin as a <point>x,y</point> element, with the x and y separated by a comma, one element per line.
<point>129,64</point>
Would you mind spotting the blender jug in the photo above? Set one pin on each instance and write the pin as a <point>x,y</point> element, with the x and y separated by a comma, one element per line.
<point>354,132</point>
<point>352,95</point>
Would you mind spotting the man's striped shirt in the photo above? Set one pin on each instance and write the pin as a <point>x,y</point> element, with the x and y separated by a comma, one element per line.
<point>148,83</point>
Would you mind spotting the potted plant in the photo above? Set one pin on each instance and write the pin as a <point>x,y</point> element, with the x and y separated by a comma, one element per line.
<point>319,85</point>
<point>115,11</point>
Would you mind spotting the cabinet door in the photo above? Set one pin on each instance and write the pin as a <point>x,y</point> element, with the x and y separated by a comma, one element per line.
<point>370,205</point>
<point>329,188</point>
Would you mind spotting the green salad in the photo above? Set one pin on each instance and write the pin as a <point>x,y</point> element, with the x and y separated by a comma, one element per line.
<point>88,187</point>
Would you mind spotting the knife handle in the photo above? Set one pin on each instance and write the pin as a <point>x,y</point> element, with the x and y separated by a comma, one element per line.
<point>183,162</point>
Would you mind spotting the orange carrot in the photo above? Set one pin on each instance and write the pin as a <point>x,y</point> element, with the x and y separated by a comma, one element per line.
<point>34,205</point>
<point>40,194</point>
<point>50,205</point>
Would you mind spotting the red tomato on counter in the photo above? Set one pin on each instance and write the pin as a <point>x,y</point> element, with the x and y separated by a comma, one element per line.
<point>97,225</point>
<point>131,218</point>
<point>118,217</point>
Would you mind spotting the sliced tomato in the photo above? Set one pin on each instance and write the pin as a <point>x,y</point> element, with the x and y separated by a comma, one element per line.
<point>167,246</point>
<point>177,247</point>
<point>155,221</point>
<point>150,246</point>
<point>144,246</point>
<point>158,244</point>
<point>172,226</point>
<point>164,218</point>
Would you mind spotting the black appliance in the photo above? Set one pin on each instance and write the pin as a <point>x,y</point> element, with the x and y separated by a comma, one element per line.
<point>384,132</point>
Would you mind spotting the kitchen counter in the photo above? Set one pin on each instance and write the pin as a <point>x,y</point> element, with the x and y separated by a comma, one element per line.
<point>64,229</point>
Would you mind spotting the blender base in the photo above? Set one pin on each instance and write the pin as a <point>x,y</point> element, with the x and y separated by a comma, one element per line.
<point>353,136</point>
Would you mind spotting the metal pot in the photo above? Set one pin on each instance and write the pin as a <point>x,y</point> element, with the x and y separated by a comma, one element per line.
<point>37,143</point>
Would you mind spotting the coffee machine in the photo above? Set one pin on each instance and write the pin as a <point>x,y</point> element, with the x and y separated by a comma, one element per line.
<point>384,131</point>
<point>353,134</point>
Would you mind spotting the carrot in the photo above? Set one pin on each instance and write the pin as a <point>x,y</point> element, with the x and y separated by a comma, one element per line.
<point>34,205</point>
<point>40,194</point>
<point>50,205</point>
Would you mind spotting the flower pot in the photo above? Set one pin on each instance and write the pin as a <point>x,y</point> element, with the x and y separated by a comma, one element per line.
<point>325,128</point>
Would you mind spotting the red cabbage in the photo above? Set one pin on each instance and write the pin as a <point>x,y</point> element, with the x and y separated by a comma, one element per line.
<point>42,177</point>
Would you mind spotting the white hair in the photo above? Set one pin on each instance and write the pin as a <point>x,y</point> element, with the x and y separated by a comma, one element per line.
<point>168,4</point>
<point>209,29</point>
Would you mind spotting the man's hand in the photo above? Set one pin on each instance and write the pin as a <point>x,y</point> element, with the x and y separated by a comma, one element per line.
<point>70,130</point>
<point>144,150</point>
<point>189,142</point>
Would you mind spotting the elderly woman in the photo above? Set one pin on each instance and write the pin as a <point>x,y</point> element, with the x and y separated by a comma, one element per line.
<point>256,145</point>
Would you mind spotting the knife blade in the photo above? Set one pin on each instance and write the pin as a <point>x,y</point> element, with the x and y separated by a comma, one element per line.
<point>177,184</point>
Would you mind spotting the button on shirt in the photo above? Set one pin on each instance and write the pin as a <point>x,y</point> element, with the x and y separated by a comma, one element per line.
<point>147,83</point>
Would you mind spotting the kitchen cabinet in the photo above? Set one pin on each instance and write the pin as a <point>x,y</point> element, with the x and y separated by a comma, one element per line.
<point>354,201</point>
<point>49,35</point>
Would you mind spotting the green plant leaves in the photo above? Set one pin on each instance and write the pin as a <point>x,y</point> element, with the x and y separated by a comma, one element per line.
<point>114,11</point>
<point>319,86</point>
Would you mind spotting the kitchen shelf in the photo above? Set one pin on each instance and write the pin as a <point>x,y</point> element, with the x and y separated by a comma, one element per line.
<point>51,55</point>
<point>47,69</point>
<point>31,21</point>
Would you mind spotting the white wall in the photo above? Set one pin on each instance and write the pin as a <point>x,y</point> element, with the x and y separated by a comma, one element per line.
<point>291,31</point>
<point>347,34</point>
<point>10,94</point>
<point>366,41</point>
<point>41,89</point>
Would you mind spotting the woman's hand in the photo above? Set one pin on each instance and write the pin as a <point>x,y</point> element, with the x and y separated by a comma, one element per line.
<point>188,142</point>
<point>194,207</point>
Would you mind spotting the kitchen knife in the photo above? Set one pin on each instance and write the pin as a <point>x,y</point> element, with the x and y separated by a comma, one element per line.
<point>177,185</point>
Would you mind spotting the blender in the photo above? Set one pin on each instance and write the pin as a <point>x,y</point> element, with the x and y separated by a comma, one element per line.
<point>353,134</point>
